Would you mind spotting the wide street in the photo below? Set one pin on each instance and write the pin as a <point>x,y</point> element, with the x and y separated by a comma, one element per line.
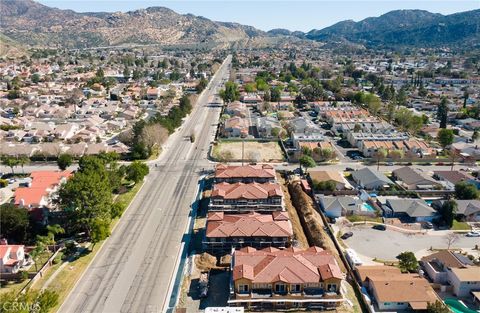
<point>133,270</point>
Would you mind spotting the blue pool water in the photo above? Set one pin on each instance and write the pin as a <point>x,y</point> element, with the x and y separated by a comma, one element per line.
<point>367,207</point>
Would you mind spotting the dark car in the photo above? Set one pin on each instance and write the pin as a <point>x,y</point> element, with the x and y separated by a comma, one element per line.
<point>349,169</point>
<point>347,235</point>
<point>380,227</point>
<point>428,225</point>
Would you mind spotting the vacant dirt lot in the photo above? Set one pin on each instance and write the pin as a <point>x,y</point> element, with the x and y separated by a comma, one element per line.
<point>254,151</point>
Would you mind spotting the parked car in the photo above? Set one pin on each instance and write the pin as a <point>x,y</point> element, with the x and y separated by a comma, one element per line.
<point>347,235</point>
<point>389,163</point>
<point>428,225</point>
<point>203,284</point>
<point>473,234</point>
<point>379,227</point>
<point>349,169</point>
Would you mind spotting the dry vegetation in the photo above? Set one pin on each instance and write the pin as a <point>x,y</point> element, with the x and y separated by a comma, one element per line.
<point>254,151</point>
<point>205,262</point>
<point>312,221</point>
<point>292,212</point>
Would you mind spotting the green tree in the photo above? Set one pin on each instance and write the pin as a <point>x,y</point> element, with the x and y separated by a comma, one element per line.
<point>52,231</point>
<point>312,90</point>
<point>275,94</point>
<point>250,87</point>
<point>100,230</point>
<point>407,262</point>
<point>230,93</point>
<point>13,222</point>
<point>379,156</point>
<point>22,161</point>
<point>445,137</point>
<point>327,185</point>
<point>442,112</point>
<point>137,171</point>
<point>437,307</point>
<point>10,162</point>
<point>64,161</point>
<point>38,301</point>
<point>88,195</point>
<point>307,162</point>
<point>117,209</point>
<point>447,212</point>
<point>466,191</point>
<point>35,78</point>
<point>202,84</point>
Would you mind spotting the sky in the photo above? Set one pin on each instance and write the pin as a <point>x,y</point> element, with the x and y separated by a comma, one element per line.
<point>268,14</point>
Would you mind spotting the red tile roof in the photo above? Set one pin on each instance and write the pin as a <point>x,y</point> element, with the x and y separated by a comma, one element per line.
<point>246,171</point>
<point>42,181</point>
<point>220,225</point>
<point>252,191</point>
<point>291,265</point>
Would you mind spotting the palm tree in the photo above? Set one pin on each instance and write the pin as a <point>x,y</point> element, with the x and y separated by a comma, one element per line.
<point>23,160</point>
<point>52,231</point>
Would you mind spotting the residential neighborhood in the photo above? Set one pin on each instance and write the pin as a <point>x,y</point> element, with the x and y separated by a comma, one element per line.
<point>155,161</point>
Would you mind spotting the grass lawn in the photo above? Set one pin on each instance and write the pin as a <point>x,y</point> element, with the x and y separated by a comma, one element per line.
<point>69,275</point>
<point>460,225</point>
<point>358,218</point>
<point>16,287</point>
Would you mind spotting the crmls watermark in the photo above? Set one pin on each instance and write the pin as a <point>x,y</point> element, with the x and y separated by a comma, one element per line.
<point>13,306</point>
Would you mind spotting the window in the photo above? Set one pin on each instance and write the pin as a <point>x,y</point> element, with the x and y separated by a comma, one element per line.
<point>243,288</point>
<point>295,288</point>
<point>332,287</point>
<point>281,303</point>
<point>296,304</point>
<point>279,288</point>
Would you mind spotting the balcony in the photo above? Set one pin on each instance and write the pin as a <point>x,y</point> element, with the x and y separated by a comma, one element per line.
<point>313,292</point>
<point>261,293</point>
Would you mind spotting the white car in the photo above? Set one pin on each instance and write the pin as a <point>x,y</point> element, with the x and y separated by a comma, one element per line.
<point>473,234</point>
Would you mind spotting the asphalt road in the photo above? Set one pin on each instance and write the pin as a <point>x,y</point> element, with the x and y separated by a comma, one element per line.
<point>133,270</point>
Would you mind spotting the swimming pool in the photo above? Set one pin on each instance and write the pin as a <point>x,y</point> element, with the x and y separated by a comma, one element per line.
<point>457,306</point>
<point>367,207</point>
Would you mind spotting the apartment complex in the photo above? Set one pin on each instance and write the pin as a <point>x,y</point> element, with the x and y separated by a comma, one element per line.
<point>271,279</point>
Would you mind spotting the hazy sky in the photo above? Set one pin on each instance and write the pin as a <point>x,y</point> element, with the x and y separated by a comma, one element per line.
<point>268,14</point>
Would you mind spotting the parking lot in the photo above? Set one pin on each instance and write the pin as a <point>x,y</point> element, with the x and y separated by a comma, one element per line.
<point>386,245</point>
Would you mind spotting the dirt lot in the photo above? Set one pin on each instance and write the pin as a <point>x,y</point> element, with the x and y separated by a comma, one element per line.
<point>300,238</point>
<point>254,151</point>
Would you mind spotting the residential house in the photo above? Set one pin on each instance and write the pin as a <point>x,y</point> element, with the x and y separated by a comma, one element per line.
<point>391,290</point>
<point>224,231</point>
<point>414,210</point>
<point>241,197</point>
<point>271,279</point>
<point>235,127</point>
<point>412,179</point>
<point>467,210</point>
<point>261,173</point>
<point>453,177</point>
<point>236,108</point>
<point>437,265</point>
<point>369,179</point>
<point>43,186</point>
<point>335,176</point>
<point>336,206</point>
<point>464,280</point>
<point>12,258</point>
<point>265,126</point>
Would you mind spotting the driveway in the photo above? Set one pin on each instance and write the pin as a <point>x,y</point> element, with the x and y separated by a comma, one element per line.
<point>386,245</point>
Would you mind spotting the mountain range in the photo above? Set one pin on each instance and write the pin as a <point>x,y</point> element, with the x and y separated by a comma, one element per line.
<point>30,23</point>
